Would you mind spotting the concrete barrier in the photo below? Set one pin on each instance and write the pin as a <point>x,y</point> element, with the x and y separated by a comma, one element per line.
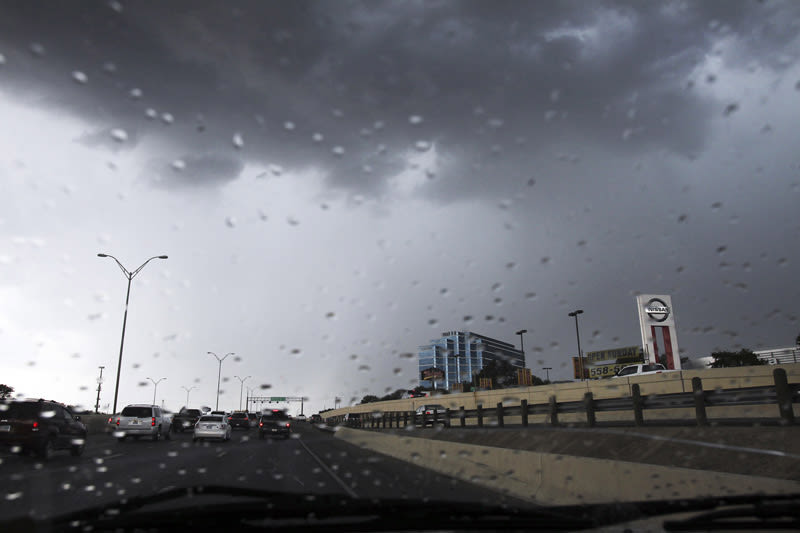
<point>557,479</point>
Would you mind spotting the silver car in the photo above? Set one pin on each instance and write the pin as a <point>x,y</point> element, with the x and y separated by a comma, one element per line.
<point>143,421</point>
<point>212,427</point>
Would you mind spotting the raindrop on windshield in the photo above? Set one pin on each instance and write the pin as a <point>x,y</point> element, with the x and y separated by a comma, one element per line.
<point>119,135</point>
<point>288,125</point>
<point>80,77</point>
<point>415,119</point>
<point>135,93</point>
<point>167,118</point>
<point>238,140</point>
<point>338,151</point>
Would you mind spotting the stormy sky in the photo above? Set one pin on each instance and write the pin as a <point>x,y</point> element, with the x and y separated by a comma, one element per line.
<point>337,183</point>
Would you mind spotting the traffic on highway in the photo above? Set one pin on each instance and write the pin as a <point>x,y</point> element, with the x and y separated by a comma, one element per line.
<point>399,265</point>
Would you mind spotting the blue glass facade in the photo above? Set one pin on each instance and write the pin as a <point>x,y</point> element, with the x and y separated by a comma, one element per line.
<point>462,354</point>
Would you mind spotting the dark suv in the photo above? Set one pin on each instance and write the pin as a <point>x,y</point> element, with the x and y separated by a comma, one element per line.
<point>275,422</point>
<point>239,419</point>
<point>186,419</point>
<point>41,427</point>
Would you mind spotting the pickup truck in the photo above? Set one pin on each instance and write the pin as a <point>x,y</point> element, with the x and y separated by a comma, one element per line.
<point>186,419</point>
<point>642,370</point>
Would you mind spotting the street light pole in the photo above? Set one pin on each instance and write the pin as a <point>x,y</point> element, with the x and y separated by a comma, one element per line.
<point>577,333</point>
<point>130,276</point>
<point>241,387</point>
<point>522,344</point>
<point>219,374</point>
<point>155,387</point>
<point>99,386</point>
<point>187,393</point>
<point>547,369</point>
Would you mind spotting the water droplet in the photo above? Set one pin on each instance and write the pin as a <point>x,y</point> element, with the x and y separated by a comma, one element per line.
<point>11,496</point>
<point>135,93</point>
<point>288,125</point>
<point>151,113</point>
<point>338,151</point>
<point>238,140</point>
<point>720,250</point>
<point>432,322</point>
<point>178,165</point>
<point>47,414</point>
<point>364,368</point>
<point>422,146</point>
<point>317,137</point>
<point>330,314</point>
<point>119,135</point>
<point>80,77</point>
<point>406,355</point>
<point>2,59</point>
<point>230,222</point>
<point>730,109</point>
<point>167,118</point>
<point>415,119</point>
<point>37,49</point>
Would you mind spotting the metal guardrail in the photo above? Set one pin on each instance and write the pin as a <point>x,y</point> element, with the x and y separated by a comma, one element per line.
<point>781,394</point>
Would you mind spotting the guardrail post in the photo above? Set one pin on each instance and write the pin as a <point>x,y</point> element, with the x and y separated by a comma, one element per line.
<point>588,402</point>
<point>480,415</point>
<point>638,404</point>
<point>500,413</point>
<point>553,411</point>
<point>383,420</point>
<point>784,393</point>
<point>462,416</point>
<point>435,417</point>
<point>524,407</point>
<point>447,415</point>
<point>699,401</point>
<point>405,419</point>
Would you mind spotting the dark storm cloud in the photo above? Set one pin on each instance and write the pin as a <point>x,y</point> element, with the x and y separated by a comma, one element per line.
<point>485,78</point>
<point>195,171</point>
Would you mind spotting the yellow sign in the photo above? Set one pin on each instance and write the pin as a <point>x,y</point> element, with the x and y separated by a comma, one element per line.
<point>606,363</point>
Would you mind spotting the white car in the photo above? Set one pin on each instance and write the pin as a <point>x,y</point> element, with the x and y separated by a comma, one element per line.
<point>212,427</point>
<point>641,370</point>
<point>301,418</point>
<point>142,420</point>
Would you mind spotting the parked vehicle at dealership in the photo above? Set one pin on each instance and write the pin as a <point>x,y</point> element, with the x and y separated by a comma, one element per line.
<point>642,370</point>
<point>186,419</point>
<point>212,427</point>
<point>41,427</point>
<point>275,422</point>
<point>143,420</point>
<point>430,414</point>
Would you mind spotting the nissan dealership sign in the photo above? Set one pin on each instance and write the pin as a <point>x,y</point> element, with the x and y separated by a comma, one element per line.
<point>657,309</point>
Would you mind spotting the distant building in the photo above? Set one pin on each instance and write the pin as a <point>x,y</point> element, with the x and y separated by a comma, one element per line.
<point>458,355</point>
<point>779,356</point>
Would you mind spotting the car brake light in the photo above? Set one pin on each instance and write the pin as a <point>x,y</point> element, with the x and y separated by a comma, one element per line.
<point>35,425</point>
<point>261,424</point>
<point>287,424</point>
<point>153,421</point>
<point>117,421</point>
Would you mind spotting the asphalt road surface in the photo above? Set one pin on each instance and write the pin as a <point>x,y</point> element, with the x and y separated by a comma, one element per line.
<point>311,462</point>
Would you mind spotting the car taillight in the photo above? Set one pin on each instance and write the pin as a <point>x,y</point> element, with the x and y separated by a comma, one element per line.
<point>35,425</point>
<point>261,424</point>
<point>153,421</point>
<point>287,424</point>
<point>117,421</point>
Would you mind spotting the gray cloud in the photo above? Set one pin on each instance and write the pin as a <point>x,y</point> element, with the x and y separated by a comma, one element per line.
<point>512,77</point>
<point>205,170</point>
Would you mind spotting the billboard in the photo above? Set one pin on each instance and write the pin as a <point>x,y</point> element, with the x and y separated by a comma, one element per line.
<point>657,324</point>
<point>433,373</point>
<point>606,363</point>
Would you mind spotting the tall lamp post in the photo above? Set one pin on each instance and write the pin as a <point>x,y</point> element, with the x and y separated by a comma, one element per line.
<point>522,344</point>
<point>187,393</point>
<point>155,387</point>
<point>577,333</point>
<point>130,276</point>
<point>219,374</point>
<point>241,387</point>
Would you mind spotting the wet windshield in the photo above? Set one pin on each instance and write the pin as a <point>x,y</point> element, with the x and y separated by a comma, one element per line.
<point>513,253</point>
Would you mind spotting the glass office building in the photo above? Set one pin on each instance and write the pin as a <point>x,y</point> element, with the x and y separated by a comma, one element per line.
<point>459,355</point>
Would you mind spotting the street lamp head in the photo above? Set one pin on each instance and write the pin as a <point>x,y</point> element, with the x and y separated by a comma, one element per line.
<point>102,255</point>
<point>163,257</point>
<point>520,332</point>
<point>576,312</point>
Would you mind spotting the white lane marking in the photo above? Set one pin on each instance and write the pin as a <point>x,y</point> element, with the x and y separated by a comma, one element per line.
<point>112,456</point>
<point>330,472</point>
<point>301,483</point>
<point>761,451</point>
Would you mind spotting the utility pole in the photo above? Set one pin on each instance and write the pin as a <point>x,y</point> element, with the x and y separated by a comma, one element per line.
<point>99,387</point>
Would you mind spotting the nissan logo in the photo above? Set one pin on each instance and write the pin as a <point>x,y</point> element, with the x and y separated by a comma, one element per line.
<point>657,310</point>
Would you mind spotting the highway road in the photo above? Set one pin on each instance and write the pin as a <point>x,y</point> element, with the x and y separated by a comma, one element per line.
<point>311,462</point>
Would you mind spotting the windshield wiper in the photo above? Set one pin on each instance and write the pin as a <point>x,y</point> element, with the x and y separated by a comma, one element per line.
<point>267,509</point>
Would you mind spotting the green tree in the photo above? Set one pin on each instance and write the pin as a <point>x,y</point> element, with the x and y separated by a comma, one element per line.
<point>5,391</point>
<point>501,372</point>
<point>369,398</point>
<point>743,357</point>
